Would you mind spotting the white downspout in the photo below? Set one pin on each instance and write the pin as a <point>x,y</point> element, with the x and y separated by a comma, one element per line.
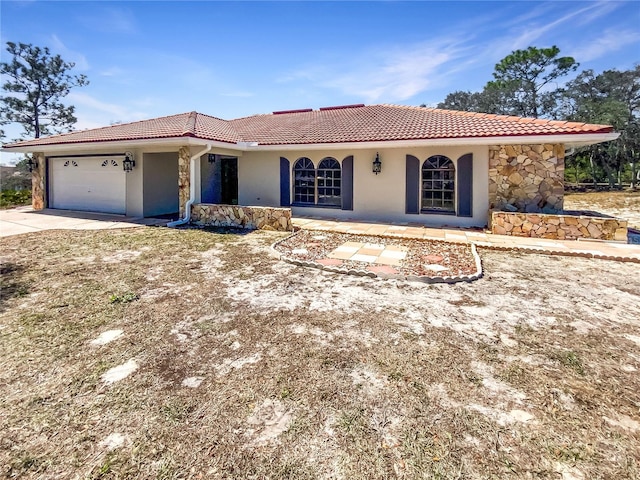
<point>192,188</point>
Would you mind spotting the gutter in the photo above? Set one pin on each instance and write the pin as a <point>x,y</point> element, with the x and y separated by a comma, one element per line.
<point>192,188</point>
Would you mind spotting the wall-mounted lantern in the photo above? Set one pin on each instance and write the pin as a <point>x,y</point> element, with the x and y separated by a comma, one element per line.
<point>377,164</point>
<point>128,163</point>
<point>212,158</point>
<point>31,164</point>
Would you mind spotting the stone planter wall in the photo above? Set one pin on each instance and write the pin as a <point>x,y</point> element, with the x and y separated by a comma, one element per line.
<point>261,218</point>
<point>184,178</point>
<point>526,178</point>
<point>559,227</point>
<point>38,187</point>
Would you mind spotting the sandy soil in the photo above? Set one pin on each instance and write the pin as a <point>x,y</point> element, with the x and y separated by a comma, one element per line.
<point>228,363</point>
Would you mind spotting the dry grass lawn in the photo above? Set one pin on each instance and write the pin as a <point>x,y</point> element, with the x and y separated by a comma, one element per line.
<point>156,353</point>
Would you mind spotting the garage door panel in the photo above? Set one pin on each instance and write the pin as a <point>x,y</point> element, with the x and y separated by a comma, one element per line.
<point>95,184</point>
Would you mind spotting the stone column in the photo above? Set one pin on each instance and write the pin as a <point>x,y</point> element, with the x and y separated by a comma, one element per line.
<point>526,178</point>
<point>184,178</point>
<point>38,182</point>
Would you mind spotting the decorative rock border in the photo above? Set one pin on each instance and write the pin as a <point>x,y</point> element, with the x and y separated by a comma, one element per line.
<point>586,253</point>
<point>558,227</point>
<point>368,273</point>
<point>251,218</point>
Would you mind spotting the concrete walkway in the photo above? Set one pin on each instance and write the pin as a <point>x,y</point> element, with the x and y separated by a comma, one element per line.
<point>583,248</point>
<point>16,221</point>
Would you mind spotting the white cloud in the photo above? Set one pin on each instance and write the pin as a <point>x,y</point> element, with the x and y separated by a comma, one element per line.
<point>393,74</point>
<point>112,72</point>
<point>534,32</point>
<point>93,113</point>
<point>111,20</point>
<point>69,55</point>
<point>400,72</point>
<point>610,41</point>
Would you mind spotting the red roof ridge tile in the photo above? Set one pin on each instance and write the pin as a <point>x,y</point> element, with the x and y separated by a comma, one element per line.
<point>299,110</point>
<point>342,107</point>
<point>200,114</point>
<point>190,125</point>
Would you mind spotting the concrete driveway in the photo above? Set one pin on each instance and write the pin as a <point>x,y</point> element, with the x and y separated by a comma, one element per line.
<point>20,220</point>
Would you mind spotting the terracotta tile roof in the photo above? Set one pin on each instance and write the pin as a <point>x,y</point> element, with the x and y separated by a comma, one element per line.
<point>349,123</point>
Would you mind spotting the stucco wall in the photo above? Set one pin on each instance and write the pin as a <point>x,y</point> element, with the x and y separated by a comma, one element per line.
<point>259,179</point>
<point>160,183</point>
<point>375,197</point>
<point>134,187</point>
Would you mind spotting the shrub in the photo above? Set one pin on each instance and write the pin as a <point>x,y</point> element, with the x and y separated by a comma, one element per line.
<point>14,198</point>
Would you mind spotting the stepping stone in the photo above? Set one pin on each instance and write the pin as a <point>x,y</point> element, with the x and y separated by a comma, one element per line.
<point>381,260</point>
<point>383,269</point>
<point>373,246</point>
<point>434,258</point>
<point>341,255</point>
<point>358,257</point>
<point>370,251</point>
<point>386,253</point>
<point>329,261</point>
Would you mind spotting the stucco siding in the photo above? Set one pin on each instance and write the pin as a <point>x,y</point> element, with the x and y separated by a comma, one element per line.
<point>375,197</point>
<point>259,179</point>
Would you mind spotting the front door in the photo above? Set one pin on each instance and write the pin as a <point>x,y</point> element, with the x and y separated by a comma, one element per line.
<point>229,180</point>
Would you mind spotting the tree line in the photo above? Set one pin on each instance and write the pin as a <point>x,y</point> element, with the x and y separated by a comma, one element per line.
<point>526,83</point>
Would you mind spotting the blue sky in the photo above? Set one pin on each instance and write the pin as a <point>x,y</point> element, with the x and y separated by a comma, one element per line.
<point>232,59</point>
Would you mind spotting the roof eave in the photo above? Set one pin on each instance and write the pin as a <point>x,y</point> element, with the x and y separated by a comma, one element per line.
<point>187,140</point>
<point>569,140</point>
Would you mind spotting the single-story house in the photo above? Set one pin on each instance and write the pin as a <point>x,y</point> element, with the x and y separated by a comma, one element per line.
<point>386,163</point>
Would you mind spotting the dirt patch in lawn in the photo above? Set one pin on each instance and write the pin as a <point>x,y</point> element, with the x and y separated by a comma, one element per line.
<point>239,365</point>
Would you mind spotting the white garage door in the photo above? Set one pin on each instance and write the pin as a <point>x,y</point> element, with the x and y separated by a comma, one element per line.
<point>93,184</point>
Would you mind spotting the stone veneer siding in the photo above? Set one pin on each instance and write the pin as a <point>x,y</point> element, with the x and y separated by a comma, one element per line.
<point>261,218</point>
<point>526,178</point>
<point>38,179</point>
<point>184,178</point>
<point>559,227</point>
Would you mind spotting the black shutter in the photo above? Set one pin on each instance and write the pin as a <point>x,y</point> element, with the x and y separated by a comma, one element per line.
<point>465,185</point>
<point>285,183</point>
<point>412,188</point>
<point>347,183</point>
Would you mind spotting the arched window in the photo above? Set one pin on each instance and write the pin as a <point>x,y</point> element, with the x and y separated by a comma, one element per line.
<point>304,181</point>
<point>438,185</point>
<point>329,182</point>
